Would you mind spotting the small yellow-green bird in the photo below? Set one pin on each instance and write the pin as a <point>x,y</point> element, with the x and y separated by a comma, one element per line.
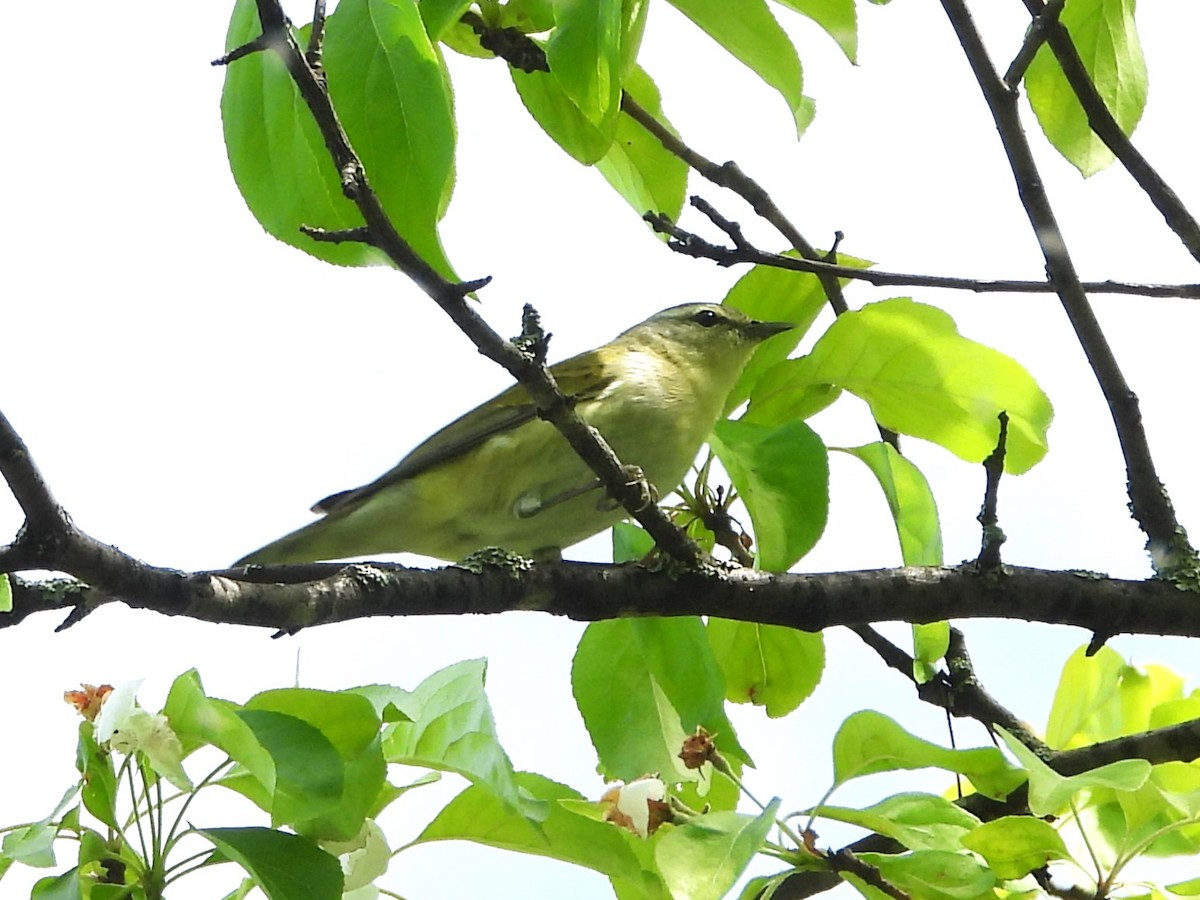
<point>501,477</point>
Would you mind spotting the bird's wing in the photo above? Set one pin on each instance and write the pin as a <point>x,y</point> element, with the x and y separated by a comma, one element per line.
<point>507,411</point>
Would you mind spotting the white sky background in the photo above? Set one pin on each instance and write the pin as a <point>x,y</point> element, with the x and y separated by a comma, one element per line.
<point>189,385</point>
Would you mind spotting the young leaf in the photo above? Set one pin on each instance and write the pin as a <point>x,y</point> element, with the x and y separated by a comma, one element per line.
<point>1016,845</point>
<point>837,17</point>
<point>99,791</point>
<point>1105,35</point>
<point>910,500</point>
<point>1086,695</point>
<point>757,40</point>
<point>767,665</point>
<point>349,722</point>
<point>198,719</point>
<point>32,845</point>
<point>920,377</point>
<point>584,54</point>
<point>58,887</point>
<point>1050,793</point>
<point>392,94</point>
<point>918,821</point>
<point>636,164</point>
<point>915,513</point>
<point>286,866</point>
<point>439,15</point>
<point>782,475</point>
<point>5,594</point>
<point>453,730</point>
<point>560,118</point>
<point>309,774</point>
<point>935,874</point>
<point>477,815</point>
<point>392,97</point>
<point>702,859</point>
<point>870,742</point>
<point>642,685</point>
<point>527,16</point>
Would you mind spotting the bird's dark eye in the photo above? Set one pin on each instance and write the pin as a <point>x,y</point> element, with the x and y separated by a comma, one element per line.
<point>706,317</point>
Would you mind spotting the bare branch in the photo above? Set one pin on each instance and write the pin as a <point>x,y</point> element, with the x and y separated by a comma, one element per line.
<point>1151,507</point>
<point>993,537</point>
<point>1165,200</point>
<point>1034,38</point>
<point>693,245</point>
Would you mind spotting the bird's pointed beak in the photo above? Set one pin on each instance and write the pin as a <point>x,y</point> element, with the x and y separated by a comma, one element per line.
<point>763,330</point>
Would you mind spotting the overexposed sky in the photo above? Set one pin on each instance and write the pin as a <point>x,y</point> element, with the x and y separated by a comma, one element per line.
<point>189,385</point>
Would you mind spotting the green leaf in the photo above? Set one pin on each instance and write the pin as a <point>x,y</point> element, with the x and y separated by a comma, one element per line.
<point>392,98</point>
<point>702,859</point>
<point>754,38</point>
<point>391,704</point>
<point>931,640</point>
<point>630,543</point>
<point>1087,692</point>
<point>560,118</point>
<point>32,845</point>
<point>767,665</point>
<point>452,729</point>
<point>918,821</point>
<point>763,887</point>
<point>1016,845</point>
<point>276,152</point>
<point>915,513</point>
<point>935,874</point>
<point>198,719</point>
<point>920,377</point>
<point>584,54</point>
<point>286,866</point>
<point>309,774</point>
<point>1051,793</point>
<point>5,594</point>
<point>782,475</point>
<point>477,815</point>
<point>1105,35</point>
<point>349,722</point>
<point>392,94</point>
<point>771,294</point>
<point>636,164</point>
<point>837,17</point>
<point>439,15</point>
<point>527,16</point>
<point>642,685</point>
<point>910,500</point>
<point>58,887</point>
<point>99,778</point>
<point>870,742</point>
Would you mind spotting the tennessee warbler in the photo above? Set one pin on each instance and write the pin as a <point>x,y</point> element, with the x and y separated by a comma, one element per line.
<point>501,477</point>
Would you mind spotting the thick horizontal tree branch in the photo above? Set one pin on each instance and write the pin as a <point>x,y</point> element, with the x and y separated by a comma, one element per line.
<point>265,596</point>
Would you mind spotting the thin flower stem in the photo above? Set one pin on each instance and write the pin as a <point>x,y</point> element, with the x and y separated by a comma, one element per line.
<point>172,872</point>
<point>1088,845</point>
<point>173,835</point>
<point>135,818</point>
